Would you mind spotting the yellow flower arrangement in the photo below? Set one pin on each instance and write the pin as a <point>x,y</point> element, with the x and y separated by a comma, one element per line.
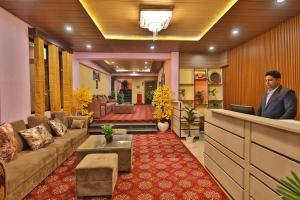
<point>163,107</point>
<point>81,98</point>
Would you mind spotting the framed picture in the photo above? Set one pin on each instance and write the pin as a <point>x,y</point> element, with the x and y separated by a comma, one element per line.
<point>96,75</point>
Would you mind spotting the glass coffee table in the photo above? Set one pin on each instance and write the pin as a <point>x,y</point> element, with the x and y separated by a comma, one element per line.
<point>121,145</point>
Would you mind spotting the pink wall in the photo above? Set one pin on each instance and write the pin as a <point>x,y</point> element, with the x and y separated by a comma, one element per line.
<point>14,68</point>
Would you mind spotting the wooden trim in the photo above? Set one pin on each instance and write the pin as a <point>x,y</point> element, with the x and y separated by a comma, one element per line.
<point>36,32</point>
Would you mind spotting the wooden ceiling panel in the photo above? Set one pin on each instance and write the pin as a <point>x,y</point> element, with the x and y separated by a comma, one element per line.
<point>252,17</point>
<point>130,65</point>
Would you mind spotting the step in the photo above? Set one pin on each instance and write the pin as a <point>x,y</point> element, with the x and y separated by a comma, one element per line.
<point>132,127</point>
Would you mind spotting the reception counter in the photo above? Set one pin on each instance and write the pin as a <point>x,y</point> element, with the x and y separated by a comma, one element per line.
<point>248,155</point>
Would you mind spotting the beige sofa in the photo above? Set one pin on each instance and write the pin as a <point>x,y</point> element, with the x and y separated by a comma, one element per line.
<point>29,168</point>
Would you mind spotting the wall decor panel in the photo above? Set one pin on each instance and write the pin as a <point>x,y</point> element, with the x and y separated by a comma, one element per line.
<point>277,49</point>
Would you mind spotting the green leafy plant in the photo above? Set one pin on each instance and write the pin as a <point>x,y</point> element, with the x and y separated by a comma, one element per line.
<point>108,133</point>
<point>200,97</point>
<point>290,188</point>
<point>150,94</point>
<point>190,118</point>
<point>120,98</point>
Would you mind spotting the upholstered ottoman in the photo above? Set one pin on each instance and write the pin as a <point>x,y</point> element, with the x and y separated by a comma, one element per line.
<point>96,175</point>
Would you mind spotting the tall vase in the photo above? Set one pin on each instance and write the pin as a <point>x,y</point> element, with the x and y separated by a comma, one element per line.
<point>163,126</point>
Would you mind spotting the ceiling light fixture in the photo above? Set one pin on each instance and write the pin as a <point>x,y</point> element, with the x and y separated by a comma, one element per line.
<point>155,19</point>
<point>69,28</point>
<point>211,48</point>
<point>152,47</point>
<point>146,62</point>
<point>280,1</point>
<point>88,46</point>
<point>235,31</point>
<point>121,70</point>
<point>112,62</point>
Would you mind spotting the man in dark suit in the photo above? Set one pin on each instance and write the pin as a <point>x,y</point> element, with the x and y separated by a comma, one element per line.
<point>278,102</point>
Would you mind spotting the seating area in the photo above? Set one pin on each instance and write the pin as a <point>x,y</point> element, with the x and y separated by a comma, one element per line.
<point>29,168</point>
<point>150,100</point>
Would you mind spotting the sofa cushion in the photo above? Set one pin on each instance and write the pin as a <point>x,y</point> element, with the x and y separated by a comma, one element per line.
<point>18,126</point>
<point>37,137</point>
<point>61,116</point>
<point>77,136</point>
<point>8,142</point>
<point>77,124</point>
<point>71,118</point>
<point>58,127</point>
<point>36,120</point>
<point>25,164</point>
<point>64,148</point>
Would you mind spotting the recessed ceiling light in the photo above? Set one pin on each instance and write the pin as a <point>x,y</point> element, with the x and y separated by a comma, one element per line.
<point>280,1</point>
<point>146,62</point>
<point>211,48</point>
<point>235,31</point>
<point>88,46</point>
<point>112,62</point>
<point>69,28</point>
<point>152,46</point>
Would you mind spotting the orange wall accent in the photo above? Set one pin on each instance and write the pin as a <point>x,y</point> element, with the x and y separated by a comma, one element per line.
<point>277,49</point>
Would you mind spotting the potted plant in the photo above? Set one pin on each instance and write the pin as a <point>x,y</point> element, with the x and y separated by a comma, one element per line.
<point>163,107</point>
<point>108,133</point>
<point>200,97</point>
<point>120,98</point>
<point>182,93</point>
<point>190,119</point>
<point>290,188</point>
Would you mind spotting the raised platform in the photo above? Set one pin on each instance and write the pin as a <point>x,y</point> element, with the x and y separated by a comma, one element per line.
<point>141,113</point>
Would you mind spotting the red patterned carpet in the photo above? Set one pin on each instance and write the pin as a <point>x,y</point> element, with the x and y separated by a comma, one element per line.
<point>141,113</point>
<point>163,169</point>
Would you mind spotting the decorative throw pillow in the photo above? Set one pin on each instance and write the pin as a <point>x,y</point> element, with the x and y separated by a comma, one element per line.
<point>46,136</point>
<point>8,142</point>
<point>59,128</point>
<point>77,124</point>
<point>33,137</point>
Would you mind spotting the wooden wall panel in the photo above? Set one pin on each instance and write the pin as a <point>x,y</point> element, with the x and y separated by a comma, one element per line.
<point>277,49</point>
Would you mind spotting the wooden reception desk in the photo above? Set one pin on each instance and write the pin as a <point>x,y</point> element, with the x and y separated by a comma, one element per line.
<point>248,155</point>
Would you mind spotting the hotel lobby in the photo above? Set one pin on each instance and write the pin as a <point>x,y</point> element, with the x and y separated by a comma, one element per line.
<point>149,100</point>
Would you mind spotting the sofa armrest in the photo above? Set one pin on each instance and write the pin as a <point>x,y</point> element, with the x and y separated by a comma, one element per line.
<point>2,181</point>
<point>85,118</point>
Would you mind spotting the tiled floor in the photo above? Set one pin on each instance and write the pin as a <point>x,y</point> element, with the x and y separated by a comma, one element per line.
<point>197,148</point>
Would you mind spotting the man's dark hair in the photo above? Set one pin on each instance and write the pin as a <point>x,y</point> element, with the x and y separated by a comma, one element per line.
<point>274,74</point>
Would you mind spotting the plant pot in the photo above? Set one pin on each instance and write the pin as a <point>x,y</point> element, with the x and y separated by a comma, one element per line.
<point>109,138</point>
<point>163,126</point>
<point>189,139</point>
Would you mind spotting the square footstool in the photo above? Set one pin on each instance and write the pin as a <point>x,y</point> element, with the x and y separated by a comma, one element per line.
<point>96,175</point>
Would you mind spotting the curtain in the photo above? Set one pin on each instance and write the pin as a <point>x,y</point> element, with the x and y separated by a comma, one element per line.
<point>39,76</point>
<point>54,78</point>
<point>67,82</point>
